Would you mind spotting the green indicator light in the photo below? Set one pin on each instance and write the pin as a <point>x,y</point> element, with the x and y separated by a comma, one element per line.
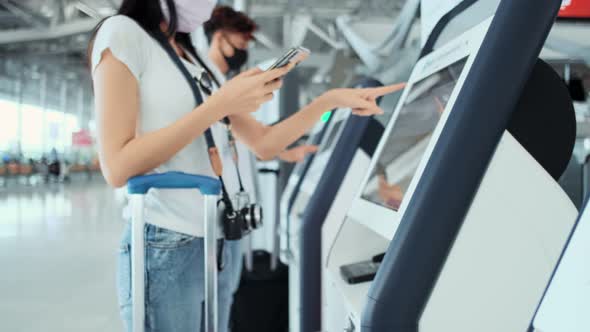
<point>326,116</point>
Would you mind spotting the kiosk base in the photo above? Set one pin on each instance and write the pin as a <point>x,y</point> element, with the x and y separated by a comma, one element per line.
<point>506,249</point>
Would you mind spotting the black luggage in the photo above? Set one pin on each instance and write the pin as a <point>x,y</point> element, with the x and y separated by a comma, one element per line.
<point>261,303</point>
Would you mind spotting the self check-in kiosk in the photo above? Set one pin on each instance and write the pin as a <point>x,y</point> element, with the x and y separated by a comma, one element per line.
<point>292,188</point>
<point>425,101</point>
<point>471,222</point>
<point>298,186</point>
<point>303,184</point>
<point>333,192</point>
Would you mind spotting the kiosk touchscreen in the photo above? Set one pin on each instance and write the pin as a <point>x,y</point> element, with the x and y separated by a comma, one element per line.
<point>413,128</point>
<point>412,132</point>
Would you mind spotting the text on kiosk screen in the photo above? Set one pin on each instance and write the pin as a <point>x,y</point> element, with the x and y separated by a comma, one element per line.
<point>410,136</point>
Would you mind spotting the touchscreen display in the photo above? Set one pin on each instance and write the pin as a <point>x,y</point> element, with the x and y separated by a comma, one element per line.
<point>409,137</point>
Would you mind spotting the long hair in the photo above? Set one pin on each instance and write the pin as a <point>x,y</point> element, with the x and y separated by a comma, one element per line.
<point>148,14</point>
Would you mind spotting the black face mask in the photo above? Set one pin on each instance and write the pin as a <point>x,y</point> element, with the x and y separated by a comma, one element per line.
<point>236,61</point>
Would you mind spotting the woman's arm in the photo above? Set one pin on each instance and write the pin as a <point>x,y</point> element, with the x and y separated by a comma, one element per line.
<point>269,141</point>
<point>298,153</point>
<point>123,153</point>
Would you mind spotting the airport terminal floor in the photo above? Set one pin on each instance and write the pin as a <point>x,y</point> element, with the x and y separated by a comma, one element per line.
<point>59,244</point>
<point>294,166</point>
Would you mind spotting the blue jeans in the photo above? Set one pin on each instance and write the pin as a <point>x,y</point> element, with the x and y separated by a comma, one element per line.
<point>174,288</point>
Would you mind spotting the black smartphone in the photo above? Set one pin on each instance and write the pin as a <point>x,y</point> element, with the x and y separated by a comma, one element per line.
<point>359,272</point>
<point>294,54</point>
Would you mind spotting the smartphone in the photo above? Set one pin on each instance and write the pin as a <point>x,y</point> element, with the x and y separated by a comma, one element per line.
<point>359,272</point>
<point>294,54</point>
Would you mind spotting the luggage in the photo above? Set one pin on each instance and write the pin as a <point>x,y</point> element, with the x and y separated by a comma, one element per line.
<point>138,187</point>
<point>261,303</point>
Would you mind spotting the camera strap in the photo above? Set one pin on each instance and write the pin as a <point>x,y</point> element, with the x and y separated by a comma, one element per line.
<point>234,152</point>
<point>212,150</point>
<point>230,137</point>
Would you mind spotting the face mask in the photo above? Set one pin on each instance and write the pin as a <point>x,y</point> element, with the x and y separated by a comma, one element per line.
<point>190,13</point>
<point>236,61</point>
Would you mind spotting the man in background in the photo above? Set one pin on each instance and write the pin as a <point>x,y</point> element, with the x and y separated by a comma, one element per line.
<point>229,34</point>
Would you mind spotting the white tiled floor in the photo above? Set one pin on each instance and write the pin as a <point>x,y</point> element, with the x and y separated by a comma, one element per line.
<point>57,258</point>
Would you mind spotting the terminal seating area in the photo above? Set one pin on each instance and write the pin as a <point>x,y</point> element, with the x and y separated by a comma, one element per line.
<point>40,172</point>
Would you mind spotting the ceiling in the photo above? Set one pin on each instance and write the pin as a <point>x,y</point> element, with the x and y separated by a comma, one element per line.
<point>43,42</point>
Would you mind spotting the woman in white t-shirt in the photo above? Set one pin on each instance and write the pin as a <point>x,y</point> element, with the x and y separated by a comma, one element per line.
<point>147,122</point>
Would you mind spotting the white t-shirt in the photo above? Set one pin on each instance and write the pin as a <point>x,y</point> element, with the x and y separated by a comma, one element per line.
<point>165,96</point>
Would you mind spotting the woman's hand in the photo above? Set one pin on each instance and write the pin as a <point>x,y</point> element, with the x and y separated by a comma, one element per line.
<point>246,92</point>
<point>363,102</point>
<point>297,154</point>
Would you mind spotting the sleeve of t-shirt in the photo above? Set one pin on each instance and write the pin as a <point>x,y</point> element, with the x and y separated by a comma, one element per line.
<point>127,42</point>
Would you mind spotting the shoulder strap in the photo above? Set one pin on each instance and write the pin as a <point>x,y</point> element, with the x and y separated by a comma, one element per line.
<point>197,57</point>
<point>226,120</point>
<point>163,41</point>
<point>206,67</point>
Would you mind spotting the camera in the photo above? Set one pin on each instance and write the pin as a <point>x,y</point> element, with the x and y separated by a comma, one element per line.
<point>241,218</point>
<point>252,216</point>
<point>250,213</point>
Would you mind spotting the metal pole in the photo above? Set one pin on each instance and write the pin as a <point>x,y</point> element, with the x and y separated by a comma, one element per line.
<point>81,103</point>
<point>63,108</point>
<point>210,263</point>
<point>138,263</point>
<point>43,104</point>
<point>19,89</point>
<point>249,256</point>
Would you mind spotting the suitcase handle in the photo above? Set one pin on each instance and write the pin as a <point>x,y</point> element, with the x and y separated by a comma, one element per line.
<point>174,180</point>
<point>210,188</point>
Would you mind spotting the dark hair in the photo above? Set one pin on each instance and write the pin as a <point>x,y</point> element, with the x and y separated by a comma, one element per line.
<point>148,14</point>
<point>226,18</point>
